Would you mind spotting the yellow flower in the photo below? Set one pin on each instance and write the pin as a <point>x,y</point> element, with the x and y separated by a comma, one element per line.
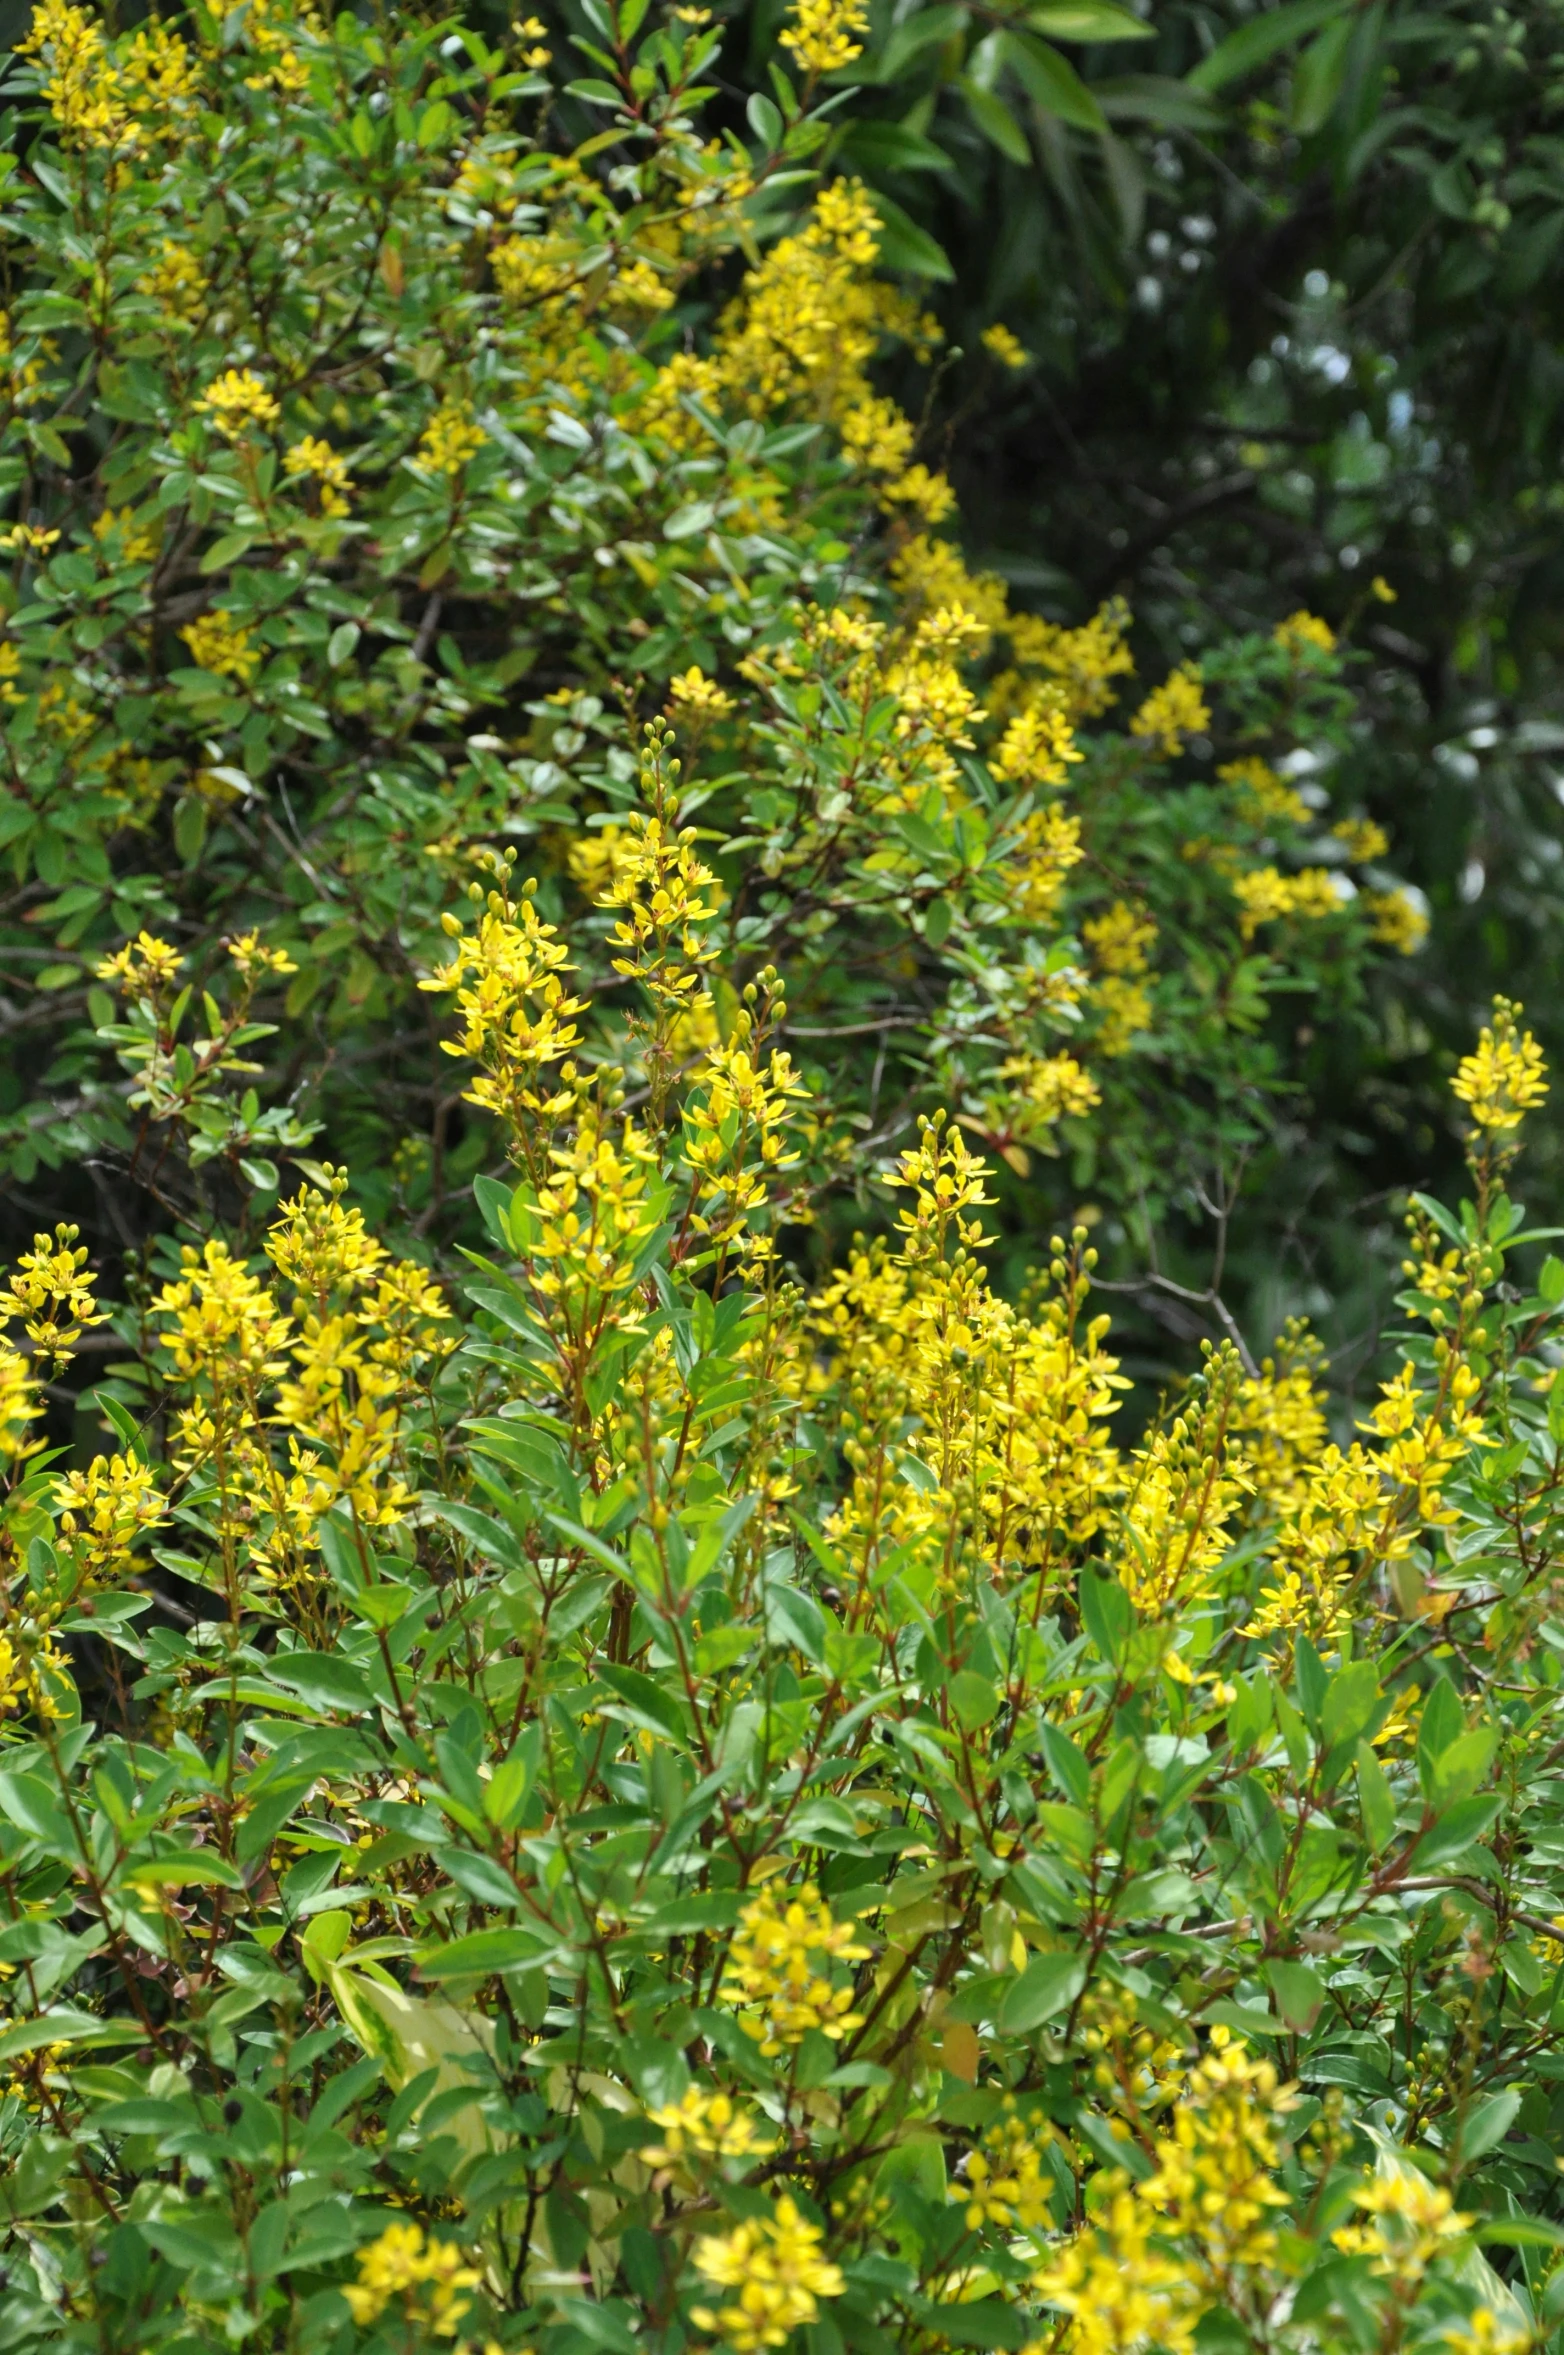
<point>449,439</point>
<point>143,967</point>
<point>103,1511</point>
<point>1263,796</point>
<point>1006,348</point>
<point>708,2125</point>
<point>1084,661</point>
<point>1054,1087</point>
<point>1397,920</point>
<point>255,961</point>
<point>219,644</point>
<point>1264,895</point>
<point>1505,1077</point>
<point>425,2278</point>
<point>1412,2220</point>
<point>695,693</point>
<point>1172,712</point>
<point>1302,631</point>
<point>52,1292</point>
<point>238,399</point>
<point>1380,588</point>
<point>315,460</point>
<point>1039,743</point>
<point>775,2267</point>
<point>534,33</point>
<point>139,540</point>
<point>772,1968</point>
<point>175,282</point>
<point>1361,839</point>
<point>1120,940</point>
<point>81,88</point>
<point>820,33</point>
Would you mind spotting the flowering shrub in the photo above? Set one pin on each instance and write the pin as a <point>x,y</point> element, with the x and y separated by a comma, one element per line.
<point>653,1804</point>
<point>632,1783</point>
<point>382,467</point>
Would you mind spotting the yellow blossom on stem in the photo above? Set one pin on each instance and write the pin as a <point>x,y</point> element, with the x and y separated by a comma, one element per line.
<point>774,2266</point>
<point>706,2124</point>
<point>819,33</point>
<point>450,438</point>
<point>1303,632</point>
<point>1007,348</point>
<point>693,692</point>
<point>238,399</point>
<point>773,1968</point>
<point>427,2279</point>
<point>1504,1077</point>
<point>1172,712</point>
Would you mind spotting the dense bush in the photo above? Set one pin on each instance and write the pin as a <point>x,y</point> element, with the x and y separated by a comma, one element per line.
<point>601,1760</point>
<point>372,491</point>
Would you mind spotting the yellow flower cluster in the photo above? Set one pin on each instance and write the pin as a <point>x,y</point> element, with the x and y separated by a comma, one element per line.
<point>176,282</point>
<point>1007,348</point>
<point>773,1969</point>
<point>112,99</point>
<point>1303,633</point>
<point>774,2268</point>
<point>1361,839</point>
<point>1412,2220</point>
<point>1161,2253</point>
<point>1004,2181</point>
<point>1007,1411</point>
<point>237,400</point>
<point>427,2280</point>
<point>223,646</point>
<point>313,460</point>
<point>515,1014</point>
<point>705,2124</point>
<point>1173,712</point>
<point>1038,744</point>
<point>451,437</point>
<point>1266,896</point>
<point>1084,662</point>
<point>51,1292</point>
<point>103,1511</point>
<point>1262,795</point>
<point>1503,1078</point>
<point>695,694</point>
<point>1120,942</point>
<point>819,33</point>
<point>1396,919</point>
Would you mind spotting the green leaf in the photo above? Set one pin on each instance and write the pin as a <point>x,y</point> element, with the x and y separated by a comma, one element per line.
<point>1486,2124</point>
<point>1350,1701</point>
<point>1376,1800</point>
<point>1461,1767</point>
<point>1255,43</point>
<point>485,1954</point>
<point>1319,75</point>
<point>1052,83</point>
<point>1087,20</point>
<point>999,126</point>
<point>974,1698</point>
<point>1299,1993</point>
<point>1049,1985</point>
<point>1106,1613</point>
<point>903,245</point>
